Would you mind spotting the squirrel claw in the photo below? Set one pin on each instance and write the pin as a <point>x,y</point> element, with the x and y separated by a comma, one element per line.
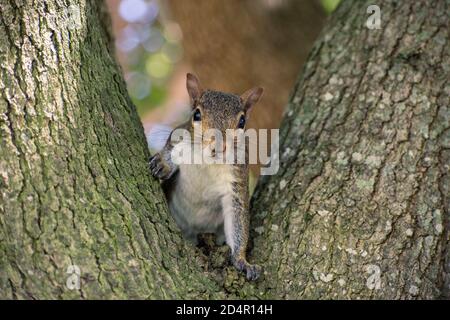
<point>253,271</point>
<point>158,168</point>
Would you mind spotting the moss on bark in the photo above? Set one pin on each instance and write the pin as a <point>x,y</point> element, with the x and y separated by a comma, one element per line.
<point>363,192</point>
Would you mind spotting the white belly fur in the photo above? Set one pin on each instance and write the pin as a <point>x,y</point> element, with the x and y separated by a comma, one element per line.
<point>196,203</point>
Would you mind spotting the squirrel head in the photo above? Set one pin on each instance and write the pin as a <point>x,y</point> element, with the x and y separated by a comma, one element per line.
<point>219,110</point>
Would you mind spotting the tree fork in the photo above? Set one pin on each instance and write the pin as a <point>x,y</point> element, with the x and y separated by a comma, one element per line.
<point>362,195</point>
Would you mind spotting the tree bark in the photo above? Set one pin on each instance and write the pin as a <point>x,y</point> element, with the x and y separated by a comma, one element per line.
<point>359,208</point>
<point>74,182</point>
<point>362,197</point>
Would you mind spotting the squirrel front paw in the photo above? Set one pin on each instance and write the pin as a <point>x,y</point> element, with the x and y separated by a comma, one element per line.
<point>158,167</point>
<point>253,271</point>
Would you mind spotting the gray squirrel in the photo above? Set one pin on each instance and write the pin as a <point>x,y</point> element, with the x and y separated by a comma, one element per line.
<point>211,198</point>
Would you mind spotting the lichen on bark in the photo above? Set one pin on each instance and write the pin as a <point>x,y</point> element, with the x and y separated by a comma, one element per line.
<point>363,191</point>
<point>75,188</point>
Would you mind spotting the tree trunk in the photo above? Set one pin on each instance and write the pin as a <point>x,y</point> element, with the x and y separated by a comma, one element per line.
<point>361,200</point>
<point>363,192</point>
<point>74,182</point>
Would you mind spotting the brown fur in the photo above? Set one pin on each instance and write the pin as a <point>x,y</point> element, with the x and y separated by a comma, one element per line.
<point>211,198</point>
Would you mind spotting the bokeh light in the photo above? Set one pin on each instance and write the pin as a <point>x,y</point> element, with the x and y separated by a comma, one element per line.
<point>151,46</point>
<point>329,5</point>
<point>158,66</point>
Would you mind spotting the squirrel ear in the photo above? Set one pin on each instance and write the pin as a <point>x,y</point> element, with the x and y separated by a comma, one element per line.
<point>193,87</point>
<point>250,97</point>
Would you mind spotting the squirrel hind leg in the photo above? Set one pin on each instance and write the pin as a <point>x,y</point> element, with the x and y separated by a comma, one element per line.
<point>252,271</point>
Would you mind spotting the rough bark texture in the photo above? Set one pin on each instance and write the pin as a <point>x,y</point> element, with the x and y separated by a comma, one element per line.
<point>74,184</point>
<point>363,190</point>
<point>362,193</point>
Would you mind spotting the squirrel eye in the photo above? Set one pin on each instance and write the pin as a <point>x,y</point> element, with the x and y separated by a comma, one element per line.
<point>241,124</point>
<point>197,115</point>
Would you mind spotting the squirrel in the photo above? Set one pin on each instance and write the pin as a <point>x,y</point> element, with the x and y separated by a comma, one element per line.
<point>211,198</point>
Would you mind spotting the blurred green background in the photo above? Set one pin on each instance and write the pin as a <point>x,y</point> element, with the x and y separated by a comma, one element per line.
<point>149,46</point>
